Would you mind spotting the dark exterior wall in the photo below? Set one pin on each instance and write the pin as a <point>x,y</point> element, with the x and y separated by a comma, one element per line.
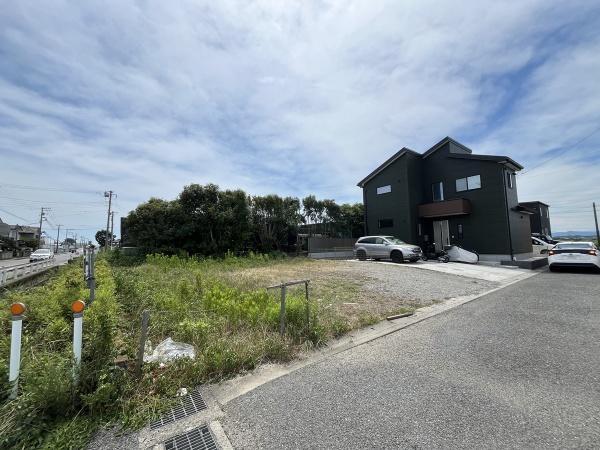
<point>485,230</point>
<point>396,205</point>
<point>540,221</point>
<point>519,223</point>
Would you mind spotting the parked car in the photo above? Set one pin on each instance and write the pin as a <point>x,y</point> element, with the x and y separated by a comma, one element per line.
<point>574,254</point>
<point>545,238</point>
<point>540,247</point>
<point>40,255</point>
<point>386,247</point>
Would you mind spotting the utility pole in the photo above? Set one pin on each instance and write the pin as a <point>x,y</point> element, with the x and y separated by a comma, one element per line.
<point>42,215</point>
<point>57,238</point>
<point>112,225</point>
<point>108,194</point>
<point>596,220</point>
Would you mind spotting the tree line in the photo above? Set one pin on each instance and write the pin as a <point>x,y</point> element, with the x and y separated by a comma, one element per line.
<point>207,220</point>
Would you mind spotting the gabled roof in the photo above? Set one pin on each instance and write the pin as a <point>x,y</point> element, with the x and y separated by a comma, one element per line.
<point>444,141</point>
<point>391,160</point>
<point>512,164</point>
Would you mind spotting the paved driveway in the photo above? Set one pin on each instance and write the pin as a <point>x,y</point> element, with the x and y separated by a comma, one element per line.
<point>519,368</point>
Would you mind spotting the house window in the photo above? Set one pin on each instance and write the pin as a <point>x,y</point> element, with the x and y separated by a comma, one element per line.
<point>509,179</point>
<point>384,189</point>
<point>461,185</point>
<point>547,213</point>
<point>438,191</point>
<point>386,223</point>
<point>468,183</point>
<point>419,229</point>
<point>460,231</point>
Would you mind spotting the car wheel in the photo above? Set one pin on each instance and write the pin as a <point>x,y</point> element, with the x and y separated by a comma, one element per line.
<point>397,256</point>
<point>377,259</point>
<point>361,255</point>
<point>552,269</point>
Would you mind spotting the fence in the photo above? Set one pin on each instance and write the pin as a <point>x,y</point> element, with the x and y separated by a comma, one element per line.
<point>320,247</point>
<point>13,274</point>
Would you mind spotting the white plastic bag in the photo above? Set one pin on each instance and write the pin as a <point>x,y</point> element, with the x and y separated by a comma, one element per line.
<point>168,350</point>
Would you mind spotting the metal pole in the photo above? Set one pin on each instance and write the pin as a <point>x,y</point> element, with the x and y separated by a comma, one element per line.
<point>112,224</point>
<point>143,337</point>
<point>108,194</point>
<point>307,308</point>
<point>57,238</point>
<point>92,277</point>
<point>596,220</point>
<point>17,310</point>
<point>282,311</point>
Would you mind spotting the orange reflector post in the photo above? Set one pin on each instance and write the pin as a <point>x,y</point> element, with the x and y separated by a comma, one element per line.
<point>16,309</point>
<point>78,306</point>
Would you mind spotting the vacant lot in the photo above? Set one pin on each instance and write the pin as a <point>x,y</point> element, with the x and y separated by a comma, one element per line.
<point>219,306</point>
<point>354,289</point>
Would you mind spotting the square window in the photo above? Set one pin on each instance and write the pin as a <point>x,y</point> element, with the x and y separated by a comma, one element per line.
<point>461,184</point>
<point>474,182</point>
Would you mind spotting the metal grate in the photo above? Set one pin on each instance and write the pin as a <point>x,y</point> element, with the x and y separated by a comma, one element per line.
<point>196,439</point>
<point>188,405</point>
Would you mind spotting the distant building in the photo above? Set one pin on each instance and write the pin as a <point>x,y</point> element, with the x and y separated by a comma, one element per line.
<point>540,219</point>
<point>24,233</point>
<point>4,229</point>
<point>448,195</point>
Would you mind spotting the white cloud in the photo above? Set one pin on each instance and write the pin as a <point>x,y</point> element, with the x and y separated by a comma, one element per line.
<point>288,97</point>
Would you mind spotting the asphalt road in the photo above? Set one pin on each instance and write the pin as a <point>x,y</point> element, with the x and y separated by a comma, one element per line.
<point>59,258</point>
<point>518,368</point>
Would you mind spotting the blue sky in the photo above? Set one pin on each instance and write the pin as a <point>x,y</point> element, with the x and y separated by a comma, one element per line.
<point>288,97</point>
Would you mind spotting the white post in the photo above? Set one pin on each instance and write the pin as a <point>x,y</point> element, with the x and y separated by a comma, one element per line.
<point>17,310</point>
<point>77,307</point>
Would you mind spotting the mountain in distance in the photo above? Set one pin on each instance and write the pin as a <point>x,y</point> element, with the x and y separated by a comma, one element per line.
<point>573,233</point>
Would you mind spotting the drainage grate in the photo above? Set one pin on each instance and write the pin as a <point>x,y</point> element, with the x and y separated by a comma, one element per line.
<point>197,439</point>
<point>189,404</point>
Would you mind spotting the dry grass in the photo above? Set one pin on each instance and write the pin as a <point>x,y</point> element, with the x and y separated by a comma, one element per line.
<point>337,285</point>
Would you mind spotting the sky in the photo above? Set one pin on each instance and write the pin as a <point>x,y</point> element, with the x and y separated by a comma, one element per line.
<point>294,98</point>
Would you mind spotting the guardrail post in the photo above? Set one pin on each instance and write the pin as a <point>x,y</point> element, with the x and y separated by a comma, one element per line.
<point>282,310</point>
<point>17,310</point>
<point>142,347</point>
<point>77,307</point>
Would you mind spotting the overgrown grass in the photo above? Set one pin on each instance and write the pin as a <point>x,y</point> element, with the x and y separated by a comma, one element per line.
<point>234,327</point>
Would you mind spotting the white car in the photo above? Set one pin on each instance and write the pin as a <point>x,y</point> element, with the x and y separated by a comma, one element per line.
<point>540,247</point>
<point>574,254</point>
<point>386,247</point>
<point>40,255</point>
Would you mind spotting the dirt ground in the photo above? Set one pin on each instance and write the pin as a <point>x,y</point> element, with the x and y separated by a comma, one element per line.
<point>356,288</point>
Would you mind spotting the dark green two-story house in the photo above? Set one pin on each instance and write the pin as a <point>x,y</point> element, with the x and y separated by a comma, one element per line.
<point>448,195</point>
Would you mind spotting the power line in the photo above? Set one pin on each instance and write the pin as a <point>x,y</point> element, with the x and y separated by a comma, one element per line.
<point>14,215</point>
<point>561,152</point>
<point>26,187</point>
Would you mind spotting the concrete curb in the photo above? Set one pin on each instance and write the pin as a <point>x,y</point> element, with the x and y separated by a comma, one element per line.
<point>226,391</point>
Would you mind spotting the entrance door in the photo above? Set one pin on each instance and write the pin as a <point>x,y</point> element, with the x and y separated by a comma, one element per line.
<point>441,234</point>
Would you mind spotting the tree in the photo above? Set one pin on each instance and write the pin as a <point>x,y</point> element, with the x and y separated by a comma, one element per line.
<point>101,237</point>
<point>70,241</point>
<point>274,221</point>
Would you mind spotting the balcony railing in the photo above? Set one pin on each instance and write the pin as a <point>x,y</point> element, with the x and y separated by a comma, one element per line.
<point>456,207</point>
